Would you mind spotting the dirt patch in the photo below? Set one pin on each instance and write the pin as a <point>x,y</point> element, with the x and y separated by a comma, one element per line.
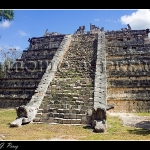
<point>132,120</point>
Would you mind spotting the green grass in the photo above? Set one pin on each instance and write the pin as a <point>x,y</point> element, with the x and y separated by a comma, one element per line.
<point>115,130</point>
<point>142,114</point>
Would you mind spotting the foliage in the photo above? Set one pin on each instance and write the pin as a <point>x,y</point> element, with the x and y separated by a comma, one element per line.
<point>142,114</point>
<point>5,59</point>
<point>8,57</point>
<point>6,15</point>
<point>2,72</point>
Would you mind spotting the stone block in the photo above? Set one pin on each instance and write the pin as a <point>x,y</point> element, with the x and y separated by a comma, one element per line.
<point>66,121</point>
<point>75,121</point>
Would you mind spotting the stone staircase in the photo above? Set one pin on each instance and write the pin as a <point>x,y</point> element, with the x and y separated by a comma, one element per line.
<point>21,80</point>
<point>69,97</point>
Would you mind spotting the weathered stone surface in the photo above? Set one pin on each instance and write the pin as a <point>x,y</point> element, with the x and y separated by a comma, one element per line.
<point>67,77</point>
<point>30,110</point>
<point>99,126</point>
<point>16,123</point>
<point>128,72</point>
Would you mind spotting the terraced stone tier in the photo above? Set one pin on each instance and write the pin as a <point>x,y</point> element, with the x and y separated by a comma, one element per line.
<point>15,96</point>
<point>25,74</point>
<point>19,83</point>
<point>128,72</point>
<point>119,51</point>
<point>131,105</point>
<point>45,42</point>
<point>16,93</point>
<point>12,103</point>
<point>30,65</point>
<point>38,54</point>
<point>23,77</point>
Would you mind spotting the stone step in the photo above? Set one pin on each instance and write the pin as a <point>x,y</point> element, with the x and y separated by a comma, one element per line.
<point>71,86</point>
<point>68,94</point>
<point>66,79</point>
<point>73,91</point>
<point>67,115</point>
<point>62,113</point>
<point>40,111</point>
<point>72,96</point>
<point>65,99</point>
<point>67,105</point>
<point>76,83</point>
<point>52,120</point>
<point>56,98</point>
<point>36,119</point>
<point>64,105</point>
<point>75,110</point>
<point>39,114</point>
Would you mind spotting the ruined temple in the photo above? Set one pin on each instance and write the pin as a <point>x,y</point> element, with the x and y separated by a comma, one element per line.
<point>75,79</point>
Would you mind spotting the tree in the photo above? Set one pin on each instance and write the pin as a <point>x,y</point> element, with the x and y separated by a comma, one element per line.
<point>6,15</point>
<point>4,67</point>
<point>2,72</point>
<point>7,56</point>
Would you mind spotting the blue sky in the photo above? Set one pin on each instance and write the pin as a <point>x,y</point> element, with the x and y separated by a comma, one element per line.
<point>33,23</point>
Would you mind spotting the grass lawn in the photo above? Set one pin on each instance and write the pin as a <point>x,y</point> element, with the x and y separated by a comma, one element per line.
<point>115,130</point>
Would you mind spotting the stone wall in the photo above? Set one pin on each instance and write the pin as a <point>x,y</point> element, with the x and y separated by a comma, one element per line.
<point>125,82</point>
<point>46,42</point>
<point>24,76</point>
<point>128,74</point>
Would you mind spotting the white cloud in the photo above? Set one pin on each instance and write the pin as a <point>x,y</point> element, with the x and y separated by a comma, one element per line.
<point>138,20</point>
<point>109,20</point>
<point>96,19</point>
<point>22,33</point>
<point>5,24</point>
